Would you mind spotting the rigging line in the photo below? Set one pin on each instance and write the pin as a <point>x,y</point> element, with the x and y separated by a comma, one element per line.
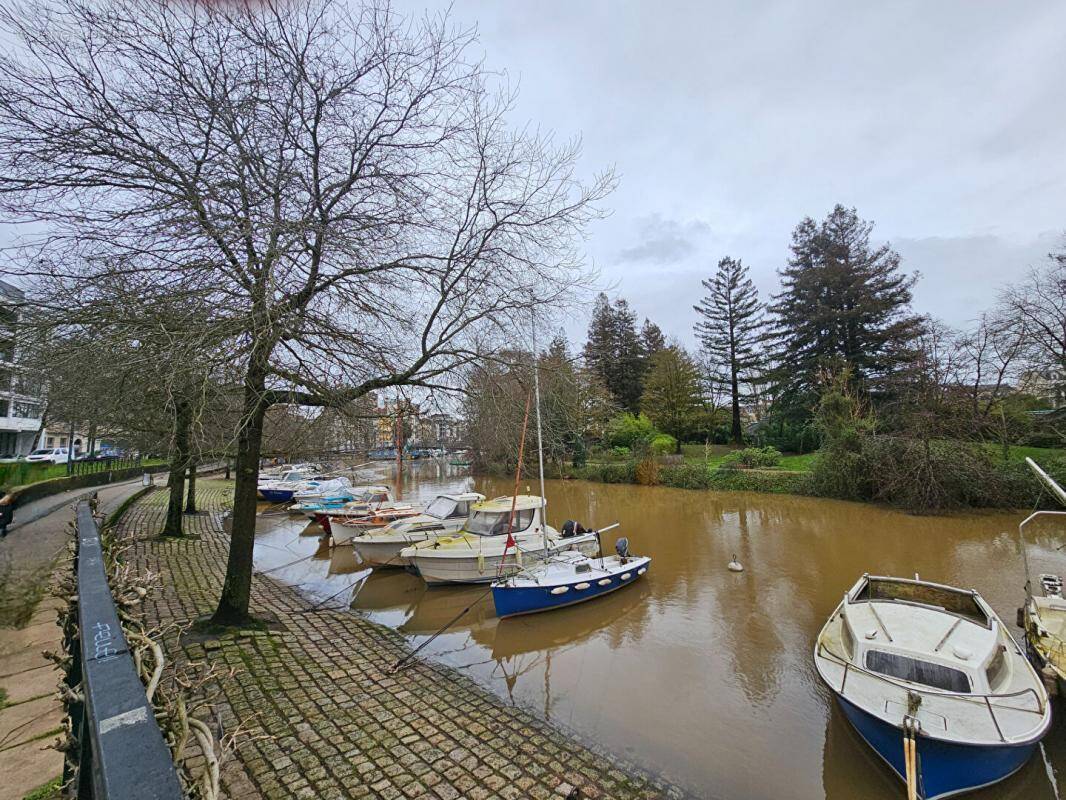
<point>403,661</point>
<point>517,482</point>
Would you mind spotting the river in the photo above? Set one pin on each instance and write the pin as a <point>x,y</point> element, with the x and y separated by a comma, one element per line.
<point>702,675</point>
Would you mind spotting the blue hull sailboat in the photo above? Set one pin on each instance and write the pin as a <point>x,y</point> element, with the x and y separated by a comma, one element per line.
<point>932,680</point>
<point>566,579</point>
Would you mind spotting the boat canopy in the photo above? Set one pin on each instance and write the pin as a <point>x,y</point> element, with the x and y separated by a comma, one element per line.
<point>955,601</point>
<point>492,517</point>
<point>451,506</point>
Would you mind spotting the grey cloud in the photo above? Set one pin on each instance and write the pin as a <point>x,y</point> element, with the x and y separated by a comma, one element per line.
<point>664,241</point>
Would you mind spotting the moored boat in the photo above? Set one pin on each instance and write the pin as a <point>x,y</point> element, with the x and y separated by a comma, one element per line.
<point>359,502</point>
<point>930,677</point>
<point>445,515</point>
<point>566,579</point>
<point>1044,614</point>
<point>479,553</point>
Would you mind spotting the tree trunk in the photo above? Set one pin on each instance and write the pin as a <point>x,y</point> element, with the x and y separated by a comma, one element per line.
<point>178,464</point>
<point>738,432</point>
<point>237,588</point>
<point>190,500</point>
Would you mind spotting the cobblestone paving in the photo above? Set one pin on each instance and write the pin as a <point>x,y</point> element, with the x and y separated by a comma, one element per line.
<point>323,717</point>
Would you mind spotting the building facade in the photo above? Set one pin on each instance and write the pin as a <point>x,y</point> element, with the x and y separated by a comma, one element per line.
<point>21,393</point>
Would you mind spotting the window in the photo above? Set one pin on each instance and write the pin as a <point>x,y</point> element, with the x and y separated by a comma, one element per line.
<point>911,669</point>
<point>27,410</point>
<point>997,669</point>
<point>494,523</point>
<point>5,407</point>
<point>462,509</point>
<point>441,508</point>
<point>5,380</point>
<point>51,441</point>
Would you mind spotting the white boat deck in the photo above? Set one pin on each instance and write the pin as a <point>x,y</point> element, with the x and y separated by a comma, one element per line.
<point>974,683</point>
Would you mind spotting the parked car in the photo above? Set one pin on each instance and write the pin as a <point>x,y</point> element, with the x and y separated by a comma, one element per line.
<point>9,458</point>
<point>49,455</point>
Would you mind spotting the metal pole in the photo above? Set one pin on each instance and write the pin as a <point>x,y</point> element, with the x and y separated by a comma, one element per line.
<point>70,450</point>
<point>540,440</point>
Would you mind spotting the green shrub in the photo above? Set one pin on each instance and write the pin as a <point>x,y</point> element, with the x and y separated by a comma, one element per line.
<point>662,444</point>
<point>752,458</point>
<point>620,452</point>
<point>628,430</point>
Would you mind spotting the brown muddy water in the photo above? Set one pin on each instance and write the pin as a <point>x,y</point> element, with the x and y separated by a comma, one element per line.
<point>696,673</point>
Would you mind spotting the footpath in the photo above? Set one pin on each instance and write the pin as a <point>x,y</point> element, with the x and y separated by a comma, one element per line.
<point>31,715</point>
<point>320,715</point>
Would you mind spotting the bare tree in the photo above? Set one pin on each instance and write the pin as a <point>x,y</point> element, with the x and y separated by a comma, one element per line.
<point>338,185</point>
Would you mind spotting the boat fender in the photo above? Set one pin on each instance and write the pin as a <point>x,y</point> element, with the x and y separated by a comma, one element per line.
<point>581,586</point>
<point>604,582</point>
<point>481,563</point>
<point>627,575</point>
<point>734,565</point>
<point>518,556</point>
<point>642,570</point>
<point>560,590</point>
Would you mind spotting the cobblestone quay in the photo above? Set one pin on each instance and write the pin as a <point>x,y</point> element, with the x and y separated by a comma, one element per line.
<point>321,716</point>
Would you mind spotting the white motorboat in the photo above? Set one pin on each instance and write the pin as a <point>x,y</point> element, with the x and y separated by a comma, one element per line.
<point>932,680</point>
<point>380,547</point>
<point>479,553</point>
<point>339,488</point>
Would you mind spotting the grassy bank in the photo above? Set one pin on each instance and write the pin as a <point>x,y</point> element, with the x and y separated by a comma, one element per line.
<point>23,473</point>
<point>706,468</point>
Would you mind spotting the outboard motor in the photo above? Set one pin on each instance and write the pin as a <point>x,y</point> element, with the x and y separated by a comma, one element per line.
<point>573,528</point>
<point>621,546</point>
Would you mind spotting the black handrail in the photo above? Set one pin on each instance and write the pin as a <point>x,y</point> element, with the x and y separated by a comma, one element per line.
<point>121,751</point>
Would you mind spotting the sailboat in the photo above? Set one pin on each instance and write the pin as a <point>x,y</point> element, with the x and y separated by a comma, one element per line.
<point>564,578</point>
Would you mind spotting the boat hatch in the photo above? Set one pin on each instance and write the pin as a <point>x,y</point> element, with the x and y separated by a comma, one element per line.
<point>954,601</point>
<point>914,670</point>
<point>584,566</point>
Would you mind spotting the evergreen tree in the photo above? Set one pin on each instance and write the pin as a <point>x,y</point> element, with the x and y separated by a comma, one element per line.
<point>671,397</point>
<point>844,304</point>
<point>731,332</point>
<point>651,338</point>
<point>614,351</point>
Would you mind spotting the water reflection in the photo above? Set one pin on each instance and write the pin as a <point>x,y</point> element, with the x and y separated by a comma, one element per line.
<point>695,672</point>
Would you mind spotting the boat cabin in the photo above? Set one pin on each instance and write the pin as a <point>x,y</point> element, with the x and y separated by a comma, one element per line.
<point>491,517</point>
<point>371,494</point>
<point>934,636</point>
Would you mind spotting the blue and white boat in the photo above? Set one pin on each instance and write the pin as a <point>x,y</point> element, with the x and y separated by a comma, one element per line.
<point>565,579</point>
<point>933,664</point>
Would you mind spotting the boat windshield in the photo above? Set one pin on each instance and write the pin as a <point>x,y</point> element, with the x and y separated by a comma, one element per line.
<point>494,523</point>
<point>441,508</point>
<point>953,600</point>
<point>915,671</point>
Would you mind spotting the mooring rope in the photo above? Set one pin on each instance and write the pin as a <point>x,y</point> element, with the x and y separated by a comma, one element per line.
<point>404,661</point>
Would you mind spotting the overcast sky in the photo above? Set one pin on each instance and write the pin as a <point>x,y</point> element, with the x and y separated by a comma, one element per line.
<point>943,122</point>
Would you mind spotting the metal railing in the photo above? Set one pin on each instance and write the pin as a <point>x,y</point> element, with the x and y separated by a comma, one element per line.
<point>985,699</point>
<point>120,750</point>
<point>91,467</point>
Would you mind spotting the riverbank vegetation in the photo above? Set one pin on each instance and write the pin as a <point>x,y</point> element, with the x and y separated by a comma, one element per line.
<point>833,387</point>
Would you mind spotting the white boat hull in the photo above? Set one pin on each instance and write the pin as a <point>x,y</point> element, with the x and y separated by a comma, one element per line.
<point>440,568</point>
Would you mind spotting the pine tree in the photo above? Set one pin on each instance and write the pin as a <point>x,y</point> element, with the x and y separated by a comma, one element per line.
<point>614,351</point>
<point>844,304</point>
<point>651,338</point>
<point>672,393</point>
<point>731,332</point>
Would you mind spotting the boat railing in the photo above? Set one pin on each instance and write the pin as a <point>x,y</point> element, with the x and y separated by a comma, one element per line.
<point>979,699</point>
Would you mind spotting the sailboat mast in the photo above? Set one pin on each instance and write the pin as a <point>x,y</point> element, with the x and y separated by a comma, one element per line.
<point>540,439</point>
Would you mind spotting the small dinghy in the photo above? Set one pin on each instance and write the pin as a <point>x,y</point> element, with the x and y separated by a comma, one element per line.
<point>566,579</point>
<point>932,680</point>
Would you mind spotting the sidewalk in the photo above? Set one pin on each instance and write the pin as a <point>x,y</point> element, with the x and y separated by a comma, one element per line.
<point>30,712</point>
